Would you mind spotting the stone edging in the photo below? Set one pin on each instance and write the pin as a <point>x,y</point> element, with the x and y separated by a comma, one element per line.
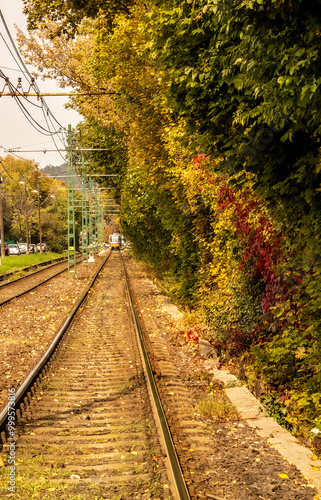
<point>252,412</point>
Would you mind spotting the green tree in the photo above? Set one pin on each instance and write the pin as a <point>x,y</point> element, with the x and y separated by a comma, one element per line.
<point>69,14</point>
<point>19,197</point>
<point>246,77</point>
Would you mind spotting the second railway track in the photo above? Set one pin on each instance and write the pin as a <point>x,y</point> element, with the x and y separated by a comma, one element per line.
<point>27,283</point>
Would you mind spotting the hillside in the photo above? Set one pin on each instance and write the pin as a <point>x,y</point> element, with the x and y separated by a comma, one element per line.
<point>61,172</point>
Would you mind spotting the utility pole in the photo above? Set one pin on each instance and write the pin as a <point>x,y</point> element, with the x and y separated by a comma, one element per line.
<point>27,215</point>
<point>26,212</point>
<point>55,224</point>
<point>101,226</point>
<point>96,221</point>
<point>91,257</point>
<point>39,216</point>
<point>1,224</point>
<point>71,211</point>
<point>84,228</point>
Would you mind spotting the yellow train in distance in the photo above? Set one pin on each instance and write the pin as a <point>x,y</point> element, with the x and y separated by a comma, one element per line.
<point>115,240</point>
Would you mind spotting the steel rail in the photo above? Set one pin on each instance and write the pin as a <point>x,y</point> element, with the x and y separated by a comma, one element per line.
<point>176,470</point>
<point>45,262</point>
<point>40,367</point>
<point>33,287</point>
<point>50,263</point>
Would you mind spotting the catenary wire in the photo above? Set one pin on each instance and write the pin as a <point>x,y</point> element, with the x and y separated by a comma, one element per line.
<point>25,70</point>
<point>14,90</point>
<point>47,114</point>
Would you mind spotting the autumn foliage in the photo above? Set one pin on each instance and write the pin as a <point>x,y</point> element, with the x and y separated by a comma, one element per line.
<point>212,122</point>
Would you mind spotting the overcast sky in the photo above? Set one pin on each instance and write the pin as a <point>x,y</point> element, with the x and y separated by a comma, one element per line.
<point>15,129</point>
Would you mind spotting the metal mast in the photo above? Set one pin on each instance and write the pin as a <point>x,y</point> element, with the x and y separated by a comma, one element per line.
<point>90,210</point>
<point>84,228</point>
<point>71,211</point>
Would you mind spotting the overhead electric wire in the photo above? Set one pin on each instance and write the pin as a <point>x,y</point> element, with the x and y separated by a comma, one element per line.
<point>54,139</point>
<point>36,125</point>
<point>20,70</point>
<point>32,120</point>
<point>11,69</point>
<point>47,132</point>
<point>47,114</point>
<point>25,70</point>
<point>14,46</point>
<point>6,171</point>
<point>11,152</point>
<point>15,90</point>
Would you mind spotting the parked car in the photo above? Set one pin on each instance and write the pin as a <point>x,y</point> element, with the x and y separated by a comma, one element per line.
<point>14,249</point>
<point>32,248</point>
<point>23,247</point>
<point>44,247</point>
<point>6,249</point>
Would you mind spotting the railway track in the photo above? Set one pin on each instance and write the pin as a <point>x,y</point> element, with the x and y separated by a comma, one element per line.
<point>25,284</point>
<point>88,430</point>
<point>46,263</point>
<point>87,426</point>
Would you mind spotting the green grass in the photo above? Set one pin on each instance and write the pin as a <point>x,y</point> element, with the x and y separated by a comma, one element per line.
<point>16,262</point>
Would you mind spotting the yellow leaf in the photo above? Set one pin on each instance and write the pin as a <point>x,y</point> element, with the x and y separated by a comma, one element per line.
<point>51,489</point>
<point>1,462</point>
<point>315,468</point>
<point>284,476</point>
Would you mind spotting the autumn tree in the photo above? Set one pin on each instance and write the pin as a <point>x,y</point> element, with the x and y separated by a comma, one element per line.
<point>210,110</point>
<point>246,78</point>
<point>68,14</point>
<point>22,182</point>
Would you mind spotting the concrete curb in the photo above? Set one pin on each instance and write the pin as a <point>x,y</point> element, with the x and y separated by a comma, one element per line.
<point>279,438</point>
<point>252,412</point>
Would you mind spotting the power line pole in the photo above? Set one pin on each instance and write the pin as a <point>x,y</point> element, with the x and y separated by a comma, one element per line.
<point>26,211</point>
<point>71,211</point>
<point>101,227</point>
<point>96,221</point>
<point>39,215</point>
<point>84,228</point>
<point>90,214</point>
<point>1,224</point>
